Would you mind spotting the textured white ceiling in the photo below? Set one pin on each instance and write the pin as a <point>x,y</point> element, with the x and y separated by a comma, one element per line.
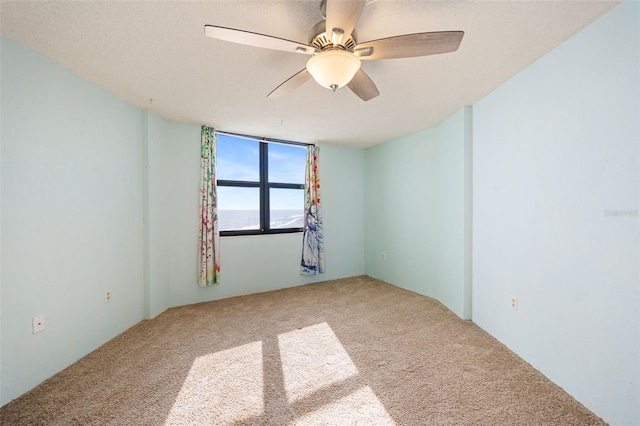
<point>143,50</point>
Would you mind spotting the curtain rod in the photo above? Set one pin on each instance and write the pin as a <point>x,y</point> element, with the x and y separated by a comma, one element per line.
<point>261,138</point>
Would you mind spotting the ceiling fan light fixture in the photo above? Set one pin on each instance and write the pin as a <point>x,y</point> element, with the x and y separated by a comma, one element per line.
<point>333,68</point>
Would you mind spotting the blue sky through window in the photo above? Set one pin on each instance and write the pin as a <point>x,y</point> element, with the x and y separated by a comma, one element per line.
<point>287,163</point>
<point>238,159</point>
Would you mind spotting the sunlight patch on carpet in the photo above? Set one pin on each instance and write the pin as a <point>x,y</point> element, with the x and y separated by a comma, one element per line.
<point>222,387</point>
<point>313,358</point>
<point>360,407</point>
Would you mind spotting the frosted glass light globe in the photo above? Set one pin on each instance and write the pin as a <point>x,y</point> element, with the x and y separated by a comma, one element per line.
<point>333,68</point>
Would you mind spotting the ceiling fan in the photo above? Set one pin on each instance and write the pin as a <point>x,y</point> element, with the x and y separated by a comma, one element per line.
<point>335,52</point>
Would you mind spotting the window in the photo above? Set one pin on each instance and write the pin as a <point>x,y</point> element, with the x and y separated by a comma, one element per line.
<point>260,185</point>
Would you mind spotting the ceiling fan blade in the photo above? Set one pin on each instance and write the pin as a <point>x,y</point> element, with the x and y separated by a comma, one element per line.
<point>410,45</point>
<point>363,86</point>
<point>343,15</point>
<point>257,40</point>
<point>290,84</point>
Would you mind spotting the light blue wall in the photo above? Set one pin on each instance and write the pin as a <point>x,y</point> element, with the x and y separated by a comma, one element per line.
<point>342,178</point>
<point>400,211</point>
<point>71,217</point>
<point>554,149</point>
<point>156,184</point>
<point>454,213</point>
<point>417,198</point>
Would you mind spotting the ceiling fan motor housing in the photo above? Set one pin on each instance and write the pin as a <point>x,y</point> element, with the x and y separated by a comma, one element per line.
<point>318,38</point>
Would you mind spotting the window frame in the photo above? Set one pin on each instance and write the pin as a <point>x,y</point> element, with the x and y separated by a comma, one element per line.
<point>263,185</point>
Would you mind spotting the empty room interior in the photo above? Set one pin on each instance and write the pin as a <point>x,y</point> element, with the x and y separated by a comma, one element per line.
<point>474,246</point>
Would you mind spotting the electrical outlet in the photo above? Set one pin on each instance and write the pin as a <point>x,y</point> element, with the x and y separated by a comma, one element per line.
<point>383,256</point>
<point>107,296</point>
<point>38,324</point>
<point>514,303</point>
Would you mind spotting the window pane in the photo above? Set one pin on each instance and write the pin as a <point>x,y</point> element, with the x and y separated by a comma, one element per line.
<point>287,208</point>
<point>237,159</point>
<point>238,208</point>
<point>287,163</point>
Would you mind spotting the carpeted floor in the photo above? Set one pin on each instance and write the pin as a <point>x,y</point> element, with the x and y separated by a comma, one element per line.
<point>344,352</point>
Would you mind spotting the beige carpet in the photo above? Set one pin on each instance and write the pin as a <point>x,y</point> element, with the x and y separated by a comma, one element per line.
<point>348,352</point>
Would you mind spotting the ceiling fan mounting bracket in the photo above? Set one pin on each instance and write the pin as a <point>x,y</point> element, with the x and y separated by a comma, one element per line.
<point>319,39</point>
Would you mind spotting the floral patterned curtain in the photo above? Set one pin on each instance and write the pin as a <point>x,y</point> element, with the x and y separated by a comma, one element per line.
<point>209,259</point>
<point>313,236</point>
